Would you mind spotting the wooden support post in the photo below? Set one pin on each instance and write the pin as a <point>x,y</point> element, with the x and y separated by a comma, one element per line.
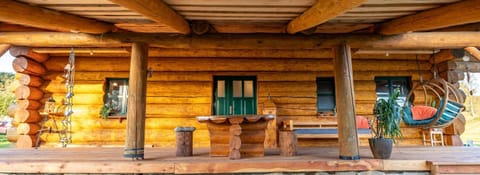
<point>137,91</point>
<point>344,95</point>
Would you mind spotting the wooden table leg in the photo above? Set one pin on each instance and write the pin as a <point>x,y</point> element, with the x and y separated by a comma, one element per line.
<point>235,141</point>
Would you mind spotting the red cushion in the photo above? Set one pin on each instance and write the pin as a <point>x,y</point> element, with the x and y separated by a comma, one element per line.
<point>362,122</point>
<point>423,112</point>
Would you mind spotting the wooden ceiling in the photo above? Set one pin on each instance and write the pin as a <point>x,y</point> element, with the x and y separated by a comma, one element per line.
<point>245,16</point>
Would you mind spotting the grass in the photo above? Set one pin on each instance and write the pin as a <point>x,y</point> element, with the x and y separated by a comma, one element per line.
<point>4,143</point>
<point>472,127</point>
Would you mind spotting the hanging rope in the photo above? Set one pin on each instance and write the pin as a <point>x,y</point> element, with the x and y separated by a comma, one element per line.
<point>418,68</point>
<point>66,136</point>
<point>435,69</point>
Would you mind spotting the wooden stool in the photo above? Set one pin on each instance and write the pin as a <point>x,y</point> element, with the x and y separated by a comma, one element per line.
<point>435,134</point>
<point>288,143</point>
<point>184,141</point>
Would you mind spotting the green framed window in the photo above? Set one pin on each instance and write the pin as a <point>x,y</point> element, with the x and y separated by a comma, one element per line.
<point>326,95</point>
<point>234,95</point>
<point>116,96</point>
<point>386,85</point>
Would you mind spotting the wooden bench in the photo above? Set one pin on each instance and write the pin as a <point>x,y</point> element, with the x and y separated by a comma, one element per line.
<point>321,130</point>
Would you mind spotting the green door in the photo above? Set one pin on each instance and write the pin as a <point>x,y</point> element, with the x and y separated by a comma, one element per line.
<point>234,95</point>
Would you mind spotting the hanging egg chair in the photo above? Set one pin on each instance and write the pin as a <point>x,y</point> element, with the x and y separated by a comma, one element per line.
<point>437,94</point>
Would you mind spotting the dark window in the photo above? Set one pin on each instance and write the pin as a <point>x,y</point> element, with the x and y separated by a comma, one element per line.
<point>325,96</point>
<point>116,96</point>
<point>386,85</point>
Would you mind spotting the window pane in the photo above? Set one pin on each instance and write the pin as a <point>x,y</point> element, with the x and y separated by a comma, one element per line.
<point>248,88</point>
<point>402,85</point>
<point>237,88</point>
<point>382,89</point>
<point>326,103</point>
<point>117,95</point>
<point>325,86</point>
<point>221,88</point>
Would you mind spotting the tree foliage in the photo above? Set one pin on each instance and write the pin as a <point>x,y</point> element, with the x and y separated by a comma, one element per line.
<point>6,95</point>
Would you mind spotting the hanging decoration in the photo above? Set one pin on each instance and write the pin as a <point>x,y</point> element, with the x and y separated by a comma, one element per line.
<point>65,133</point>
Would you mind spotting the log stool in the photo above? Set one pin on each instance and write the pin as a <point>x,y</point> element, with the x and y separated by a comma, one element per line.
<point>184,141</point>
<point>288,143</point>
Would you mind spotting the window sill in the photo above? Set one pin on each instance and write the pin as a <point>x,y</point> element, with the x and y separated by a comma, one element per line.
<point>119,117</point>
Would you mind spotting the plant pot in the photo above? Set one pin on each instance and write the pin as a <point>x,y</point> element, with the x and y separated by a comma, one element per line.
<point>381,147</point>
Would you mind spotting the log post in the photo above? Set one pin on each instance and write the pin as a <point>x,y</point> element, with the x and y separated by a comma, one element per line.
<point>184,141</point>
<point>137,91</point>
<point>288,143</point>
<point>344,95</point>
<point>235,141</point>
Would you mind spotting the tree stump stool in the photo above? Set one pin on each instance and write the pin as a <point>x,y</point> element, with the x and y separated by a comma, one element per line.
<point>288,143</point>
<point>184,141</point>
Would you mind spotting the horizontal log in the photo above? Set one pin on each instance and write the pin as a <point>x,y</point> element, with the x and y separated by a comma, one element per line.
<point>28,116</point>
<point>298,86</point>
<point>179,100</point>
<point>28,93</point>
<point>118,135</point>
<point>156,76</point>
<point>85,122</point>
<point>29,80</point>
<point>288,100</point>
<point>195,64</point>
<point>413,40</point>
<point>227,64</point>
<point>26,141</point>
<point>297,94</point>
<point>17,51</point>
<point>27,66</point>
<point>81,87</point>
<point>79,99</point>
<point>291,76</point>
<point>28,128</point>
<point>28,104</point>
<point>427,75</point>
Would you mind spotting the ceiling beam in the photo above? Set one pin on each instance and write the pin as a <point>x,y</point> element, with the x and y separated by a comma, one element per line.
<point>459,13</point>
<point>474,52</point>
<point>23,14</point>
<point>4,48</point>
<point>415,40</point>
<point>321,12</point>
<point>157,11</point>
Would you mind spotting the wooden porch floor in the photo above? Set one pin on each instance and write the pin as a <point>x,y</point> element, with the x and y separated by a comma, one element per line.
<point>157,160</point>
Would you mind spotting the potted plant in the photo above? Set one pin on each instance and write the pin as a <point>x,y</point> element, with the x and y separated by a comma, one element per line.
<point>105,111</point>
<point>386,128</point>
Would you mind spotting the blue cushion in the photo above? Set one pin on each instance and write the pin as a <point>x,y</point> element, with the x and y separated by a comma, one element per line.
<point>326,131</point>
<point>451,111</point>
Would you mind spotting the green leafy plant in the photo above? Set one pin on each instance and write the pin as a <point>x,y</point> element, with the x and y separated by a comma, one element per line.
<point>105,111</point>
<point>6,96</point>
<point>388,117</point>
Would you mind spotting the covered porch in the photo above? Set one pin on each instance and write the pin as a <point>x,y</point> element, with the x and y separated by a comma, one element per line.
<point>433,160</point>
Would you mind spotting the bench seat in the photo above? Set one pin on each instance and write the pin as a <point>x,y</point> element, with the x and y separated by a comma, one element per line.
<point>327,133</point>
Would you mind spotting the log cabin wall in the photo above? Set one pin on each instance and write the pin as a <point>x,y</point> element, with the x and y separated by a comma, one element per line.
<point>29,68</point>
<point>181,89</point>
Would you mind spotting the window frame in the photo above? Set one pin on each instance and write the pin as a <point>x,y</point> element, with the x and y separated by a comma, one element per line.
<point>106,99</point>
<point>323,111</point>
<point>390,80</point>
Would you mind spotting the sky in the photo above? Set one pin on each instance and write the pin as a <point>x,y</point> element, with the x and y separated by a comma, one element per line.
<point>6,63</point>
